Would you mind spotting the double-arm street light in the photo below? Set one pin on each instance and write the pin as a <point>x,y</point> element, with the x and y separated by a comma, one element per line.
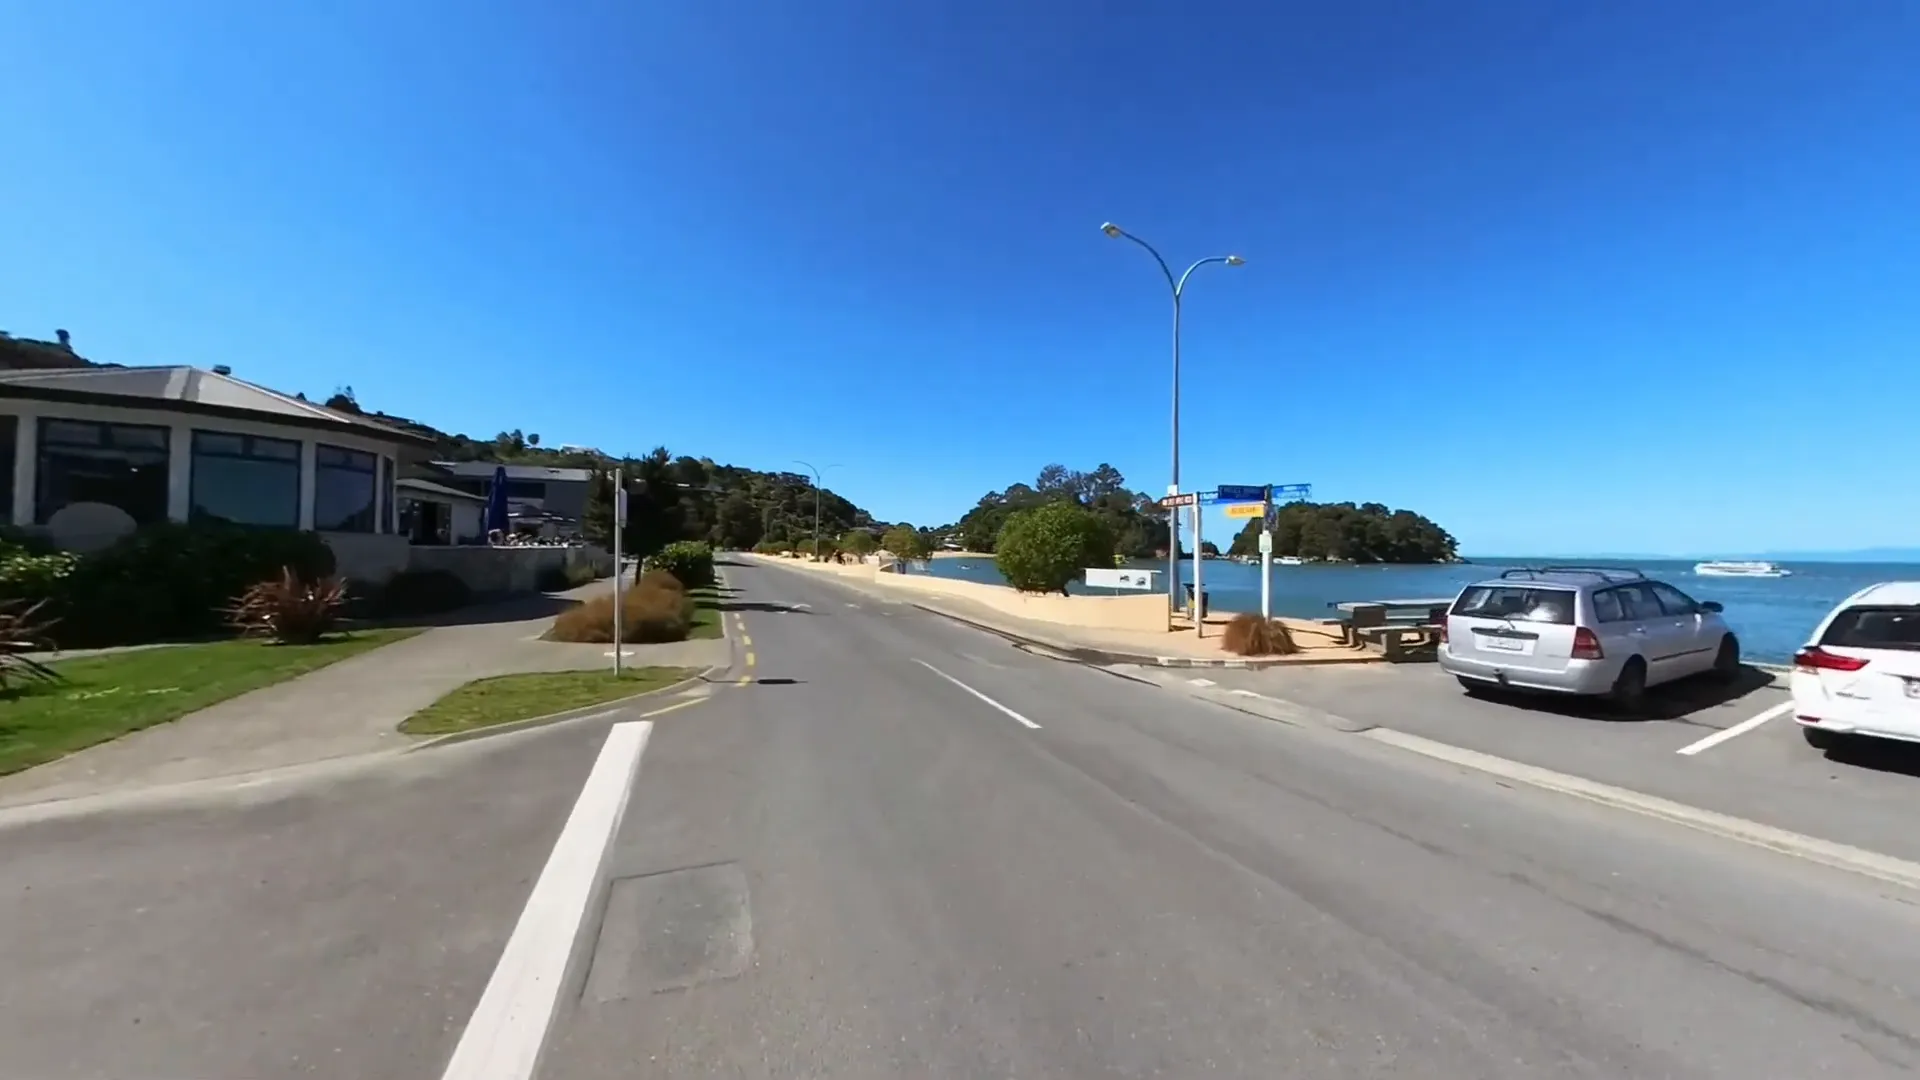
<point>1179,287</point>
<point>816,503</point>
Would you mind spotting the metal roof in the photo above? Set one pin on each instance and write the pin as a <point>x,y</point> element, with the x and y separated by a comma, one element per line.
<point>428,487</point>
<point>190,389</point>
<point>483,470</point>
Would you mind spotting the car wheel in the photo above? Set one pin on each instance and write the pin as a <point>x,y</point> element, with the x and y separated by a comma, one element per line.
<point>1726,662</point>
<point>1629,693</point>
<point>1820,738</point>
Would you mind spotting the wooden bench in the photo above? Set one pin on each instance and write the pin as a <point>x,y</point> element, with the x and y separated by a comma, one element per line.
<point>1394,640</point>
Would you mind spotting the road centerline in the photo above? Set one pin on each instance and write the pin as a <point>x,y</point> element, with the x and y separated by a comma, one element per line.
<point>978,694</point>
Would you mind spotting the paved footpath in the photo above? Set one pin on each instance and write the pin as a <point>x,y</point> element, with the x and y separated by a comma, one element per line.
<point>348,708</point>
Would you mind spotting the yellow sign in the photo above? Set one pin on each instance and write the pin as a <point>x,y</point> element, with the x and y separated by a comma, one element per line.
<point>1246,510</point>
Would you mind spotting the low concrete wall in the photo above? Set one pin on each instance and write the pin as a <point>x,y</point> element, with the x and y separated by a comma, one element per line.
<point>368,558</point>
<point>1147,611</point>
<point>509,569</point>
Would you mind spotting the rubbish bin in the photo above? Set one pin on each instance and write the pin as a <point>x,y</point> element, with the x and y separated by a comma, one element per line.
<point>1206,601</point>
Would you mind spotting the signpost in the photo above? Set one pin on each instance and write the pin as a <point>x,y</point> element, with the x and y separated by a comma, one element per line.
<point>1240,493</point>
<point>1119,578</point>
<point>1274,493</point>
<point>1247,510</point>
<point>1186,498</point>
<point>619,526</point>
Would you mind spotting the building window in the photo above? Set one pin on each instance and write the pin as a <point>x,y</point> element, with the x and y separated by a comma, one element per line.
<point>346,489</point>
<point>123,465</point>
<point>389,510</point>
<point>245,480</point>
<point>9,431</point>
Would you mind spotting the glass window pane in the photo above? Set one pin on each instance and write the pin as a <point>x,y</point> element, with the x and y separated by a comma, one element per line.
<point>135,480</point>
<point>277,449</point>
<point>344,499</point>
<point>137,436</point>
<point>1516,603</point>
<point>246,491</point>
<point>1606,606</point>
<point>218,442</point>
<point>70,432</point>
<point>9,428</point>
<point>1673,600</point>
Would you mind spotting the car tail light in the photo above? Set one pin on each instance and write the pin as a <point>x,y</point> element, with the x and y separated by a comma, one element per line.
<point>1815,658</point>
<point>1443,630</point>
<point>1586,645</point>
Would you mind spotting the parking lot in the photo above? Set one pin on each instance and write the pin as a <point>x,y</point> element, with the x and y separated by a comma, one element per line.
<point>1735,750</point>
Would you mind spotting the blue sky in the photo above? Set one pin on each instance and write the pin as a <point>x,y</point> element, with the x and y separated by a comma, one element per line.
<point>1564,277</point>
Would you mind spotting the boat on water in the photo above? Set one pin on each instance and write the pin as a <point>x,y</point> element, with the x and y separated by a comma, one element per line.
<point>1752,568</point>
<point>1289,560</point>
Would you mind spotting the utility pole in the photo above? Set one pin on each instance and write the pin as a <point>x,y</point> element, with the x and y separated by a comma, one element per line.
<point>619,527</point>
<point>816,505</point>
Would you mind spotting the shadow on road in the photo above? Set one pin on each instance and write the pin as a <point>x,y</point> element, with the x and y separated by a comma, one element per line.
<point>508,609</point>
<point>761,605</point>
<point>1674,702</point>
<point>1880,755</point>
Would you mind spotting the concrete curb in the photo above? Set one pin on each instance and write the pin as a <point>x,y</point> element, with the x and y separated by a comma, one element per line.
<point>585,711</point>
<point>1087,655</point>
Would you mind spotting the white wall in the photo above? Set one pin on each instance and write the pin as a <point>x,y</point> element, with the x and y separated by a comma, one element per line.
<point>180,457</point>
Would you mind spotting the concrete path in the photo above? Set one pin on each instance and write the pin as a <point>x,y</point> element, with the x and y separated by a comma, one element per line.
<point>907,848</point>
<point>352,707</point>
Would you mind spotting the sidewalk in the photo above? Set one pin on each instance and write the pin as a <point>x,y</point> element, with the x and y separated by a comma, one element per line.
<point>1090,644</point>
<point>349,708</point>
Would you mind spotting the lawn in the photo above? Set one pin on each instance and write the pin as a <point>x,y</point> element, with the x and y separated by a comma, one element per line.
<point>99,698</point>
<point>506,698</point>
<point>707,613</point>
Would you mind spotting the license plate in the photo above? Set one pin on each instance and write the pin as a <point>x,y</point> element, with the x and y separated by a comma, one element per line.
<point>1504,644</point>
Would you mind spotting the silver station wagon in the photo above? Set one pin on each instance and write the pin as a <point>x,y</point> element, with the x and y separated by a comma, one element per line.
<point>1583,630</point>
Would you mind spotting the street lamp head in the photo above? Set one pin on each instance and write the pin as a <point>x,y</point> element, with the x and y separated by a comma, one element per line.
<point>1235,260</point>
<point>1111,230</point>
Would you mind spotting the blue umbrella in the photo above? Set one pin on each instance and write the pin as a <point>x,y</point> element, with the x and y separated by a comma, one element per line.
<point>497,501</point>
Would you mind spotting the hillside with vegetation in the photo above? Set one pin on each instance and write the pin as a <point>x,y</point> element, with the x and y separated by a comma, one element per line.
<point>1344,532</point>
<point>669,496</point>
<point>1138,527</point>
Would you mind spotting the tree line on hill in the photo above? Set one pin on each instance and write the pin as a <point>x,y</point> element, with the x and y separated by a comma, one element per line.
<point>1344,532</point>
<point>669,497</point>
<point>1137,526</point>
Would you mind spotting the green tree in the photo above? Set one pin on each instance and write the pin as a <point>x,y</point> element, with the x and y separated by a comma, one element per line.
<point>1367,533</point>
<point>859,542</point>
<point>907,543</point>
<point>596,519</point>
<point>739,522</point>
<point>1044,548</point>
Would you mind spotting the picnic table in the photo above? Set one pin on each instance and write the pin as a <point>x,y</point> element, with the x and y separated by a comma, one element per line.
<point>1396,625</point>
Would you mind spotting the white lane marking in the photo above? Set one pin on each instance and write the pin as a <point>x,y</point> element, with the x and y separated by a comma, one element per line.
<point>977,694</point>
<point>1248,693</point>
<point>1813,849</point>
<point>1202,682</point>
<point>851,604</point>
<point>504,1036</point>
<point>1740,728</point>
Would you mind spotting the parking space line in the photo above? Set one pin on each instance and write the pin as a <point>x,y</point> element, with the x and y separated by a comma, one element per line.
<point>1740,728</point>
<point>977,694</point>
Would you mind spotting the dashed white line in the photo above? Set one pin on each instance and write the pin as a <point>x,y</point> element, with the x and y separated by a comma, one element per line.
<point>1740,728</point>
<point>504,1036</point>
<point>1202,682</point>
<point>977,694</point>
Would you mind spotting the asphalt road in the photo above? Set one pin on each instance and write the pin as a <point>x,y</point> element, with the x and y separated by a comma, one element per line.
<point>904,847</point>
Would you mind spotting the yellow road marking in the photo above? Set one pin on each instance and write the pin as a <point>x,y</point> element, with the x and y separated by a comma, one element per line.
<point>676,705</point>
<point>748,678</point>
<point>745,640</point>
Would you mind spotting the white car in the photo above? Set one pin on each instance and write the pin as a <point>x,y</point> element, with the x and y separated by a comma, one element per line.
<point>1860,673</point>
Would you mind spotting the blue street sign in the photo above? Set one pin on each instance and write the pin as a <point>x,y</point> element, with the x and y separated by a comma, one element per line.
<point>1292,492</point>
<point>1240,493</point>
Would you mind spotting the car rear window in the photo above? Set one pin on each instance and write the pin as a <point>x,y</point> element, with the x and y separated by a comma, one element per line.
<point>1516,604</point>
<point>1875,628</point>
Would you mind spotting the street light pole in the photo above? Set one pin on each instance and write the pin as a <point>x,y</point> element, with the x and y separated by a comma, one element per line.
<point>816,505</point>
<point>1179,287</point>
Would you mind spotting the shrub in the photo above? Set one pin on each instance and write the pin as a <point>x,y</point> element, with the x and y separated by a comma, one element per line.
<point>649,614</point>
<point>660,579</point>
<point>1042,549</point>
<point>163,581</point>
<point>859,543</point>
<point>689,560</point>
<point>288,609</point>
<point>773,547</point>
<point>22,631</point>
<point>424,592</point>
<point>581,573</point>
<point>1250,635</point>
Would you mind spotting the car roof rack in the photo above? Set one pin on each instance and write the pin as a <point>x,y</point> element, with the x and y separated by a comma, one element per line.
<point>1604,573</point>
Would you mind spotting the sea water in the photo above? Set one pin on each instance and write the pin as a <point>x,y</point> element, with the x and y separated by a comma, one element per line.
<point>1772,616</point>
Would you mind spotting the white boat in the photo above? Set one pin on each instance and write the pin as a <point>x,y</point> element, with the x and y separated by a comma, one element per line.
<point>1741,569</point>
<point>1289,560</point>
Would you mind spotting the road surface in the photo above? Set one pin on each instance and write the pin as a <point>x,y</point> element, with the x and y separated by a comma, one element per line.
<point>906,848</point>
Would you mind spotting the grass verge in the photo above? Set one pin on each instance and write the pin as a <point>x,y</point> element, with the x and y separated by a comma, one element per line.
<point>99,698</point>
<point>506,698</point>
<point>707,614</point>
